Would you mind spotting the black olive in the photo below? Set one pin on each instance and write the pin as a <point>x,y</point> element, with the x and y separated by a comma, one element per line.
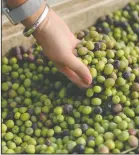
<point>121,24</point>
<point>48,142</point>
<point>98,110</point>
<point>34,125</point>
<point>10,116</point>
<point>65,133</point>
<point>86,32</point>
<point>90,138</point>
<point>68,108</point>
<point>97,46</point>
<point>30,111</point>
<point>110,20</point>
<point>99,29</point>
<point>106,30</point>
<point>79,148</point>
<point>126,75</point>
<point>127,8</point>
<point>84,127</point>
<point>116,64</point>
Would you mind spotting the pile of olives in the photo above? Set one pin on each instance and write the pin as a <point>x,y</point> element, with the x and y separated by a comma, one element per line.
<point>43,112</point>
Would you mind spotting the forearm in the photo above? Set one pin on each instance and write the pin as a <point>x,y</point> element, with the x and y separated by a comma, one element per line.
<point>30,20</point>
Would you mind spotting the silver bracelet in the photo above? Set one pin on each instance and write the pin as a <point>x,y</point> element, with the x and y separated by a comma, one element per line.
<point>29,32</point>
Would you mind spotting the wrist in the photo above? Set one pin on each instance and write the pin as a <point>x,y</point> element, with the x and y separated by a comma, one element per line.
<point>28,22</point>
<point>43,26</point>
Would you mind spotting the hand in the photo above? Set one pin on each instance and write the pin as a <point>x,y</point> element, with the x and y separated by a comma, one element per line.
<point>58,43</point>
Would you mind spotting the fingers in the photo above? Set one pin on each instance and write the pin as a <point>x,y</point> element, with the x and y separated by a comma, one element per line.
<point>79,68</point>
<point>72,76</point>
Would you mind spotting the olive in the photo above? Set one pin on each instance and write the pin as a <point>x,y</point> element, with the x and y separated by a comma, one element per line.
<point>84,127</point>
<point>117,108</point>
<point>65,133</point>
<point>79,149</point>
<point>80,35</point>
<point>135,86</point>
<point>126,75</point>
<point>44,112</point>
<point>97,46</point>
<point>116,64</point>
<point>98,110</point>
<point>68,109</point>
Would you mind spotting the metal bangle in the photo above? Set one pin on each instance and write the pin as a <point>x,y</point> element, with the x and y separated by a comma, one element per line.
<point>29,32</point>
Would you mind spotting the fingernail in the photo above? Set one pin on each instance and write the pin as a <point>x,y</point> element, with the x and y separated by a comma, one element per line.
<point>87,80</point>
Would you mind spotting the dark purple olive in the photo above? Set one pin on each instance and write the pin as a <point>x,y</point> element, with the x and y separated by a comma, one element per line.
<point>106,30</point>
<point>126,75</point>
<point>127,8</point>
<point>116,64</point>
<point>99,29</point>
<point>90,138</point>
<point>30,111</point>
<point>65,133</point>
<point>84,127</point>
<point>98,110</point>
<point>86,31</point>
<point>10,116</point>
<point>48,142</point>
<point>68,108</point>
<point>79,148</point>
<point>34,125</point>
<point>110,21</point>
<point>97,46</point>
<point>121,24</point>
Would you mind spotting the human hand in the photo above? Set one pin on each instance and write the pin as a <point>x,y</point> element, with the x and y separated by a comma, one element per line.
<point>58,43</point>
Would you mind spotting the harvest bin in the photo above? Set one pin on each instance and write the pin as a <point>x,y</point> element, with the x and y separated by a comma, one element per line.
<point>107,75</point>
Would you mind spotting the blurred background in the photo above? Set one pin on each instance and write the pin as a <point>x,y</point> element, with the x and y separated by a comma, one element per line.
<point>49,1</point>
